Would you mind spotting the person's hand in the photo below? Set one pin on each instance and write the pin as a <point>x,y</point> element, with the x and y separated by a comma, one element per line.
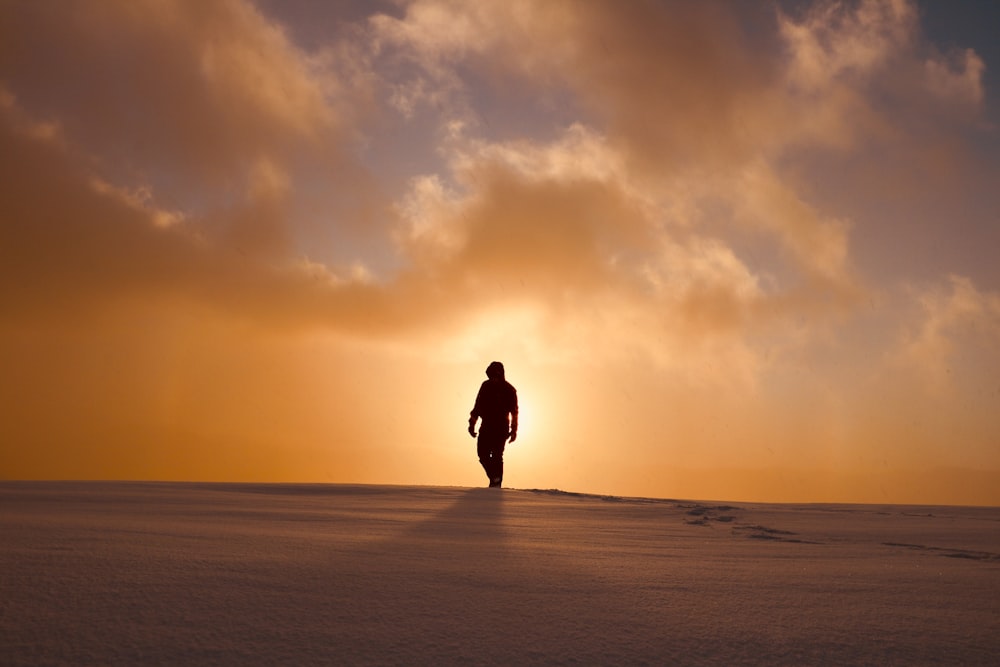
<point>472,430</point>
<point>513,435</point>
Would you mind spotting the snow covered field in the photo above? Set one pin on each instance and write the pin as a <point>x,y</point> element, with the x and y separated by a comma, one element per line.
<point>166,573</point>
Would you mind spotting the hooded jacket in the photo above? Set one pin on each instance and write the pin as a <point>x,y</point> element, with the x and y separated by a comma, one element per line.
<point>496,402</point>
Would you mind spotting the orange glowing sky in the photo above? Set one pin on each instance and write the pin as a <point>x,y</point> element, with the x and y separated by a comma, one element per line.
<point>725,250</point>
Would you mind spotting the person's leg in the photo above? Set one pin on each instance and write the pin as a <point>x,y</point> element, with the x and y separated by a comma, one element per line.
<point>490,448</point>
<point>496,455</point>
<point>483,449</point>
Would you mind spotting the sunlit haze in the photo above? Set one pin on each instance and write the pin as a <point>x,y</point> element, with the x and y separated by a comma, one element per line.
<point>725,250</point>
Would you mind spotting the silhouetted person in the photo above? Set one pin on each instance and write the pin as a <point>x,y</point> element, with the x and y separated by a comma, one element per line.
<point>496,404</point>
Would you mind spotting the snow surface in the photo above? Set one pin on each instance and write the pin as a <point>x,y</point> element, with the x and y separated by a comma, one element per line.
<point>110,573</point>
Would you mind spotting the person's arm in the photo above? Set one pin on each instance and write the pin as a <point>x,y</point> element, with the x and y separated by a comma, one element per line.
<point>513,416</point>
<point>476,410</point>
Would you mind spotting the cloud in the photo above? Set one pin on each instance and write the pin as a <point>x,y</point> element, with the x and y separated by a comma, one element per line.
<point>191,104</point>
<point>818,246</point>
<point>958,78</point>
<point>835,41</point>
<point>159,149</point>
<point>707,134</point>
<point>600,52</point>
<point>195,89</point>
<point>619,207</point>
<point>687,85</point>
<point>957,321</point>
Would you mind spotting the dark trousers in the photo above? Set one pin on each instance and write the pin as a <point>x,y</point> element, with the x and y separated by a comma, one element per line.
<point>490,449</point>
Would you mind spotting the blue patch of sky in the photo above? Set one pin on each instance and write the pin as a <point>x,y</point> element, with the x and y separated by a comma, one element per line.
<point>956,25</point>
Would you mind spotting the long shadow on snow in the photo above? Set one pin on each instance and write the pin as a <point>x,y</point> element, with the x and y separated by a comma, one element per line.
<point>480,582</point>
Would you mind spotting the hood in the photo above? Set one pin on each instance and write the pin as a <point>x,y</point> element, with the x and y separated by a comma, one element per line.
<point>495,371</point>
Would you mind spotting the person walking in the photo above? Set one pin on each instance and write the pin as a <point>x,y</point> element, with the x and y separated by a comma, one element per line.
<point>496,405</point>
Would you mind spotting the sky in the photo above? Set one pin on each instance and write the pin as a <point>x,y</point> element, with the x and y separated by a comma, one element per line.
<point>725,250</point>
